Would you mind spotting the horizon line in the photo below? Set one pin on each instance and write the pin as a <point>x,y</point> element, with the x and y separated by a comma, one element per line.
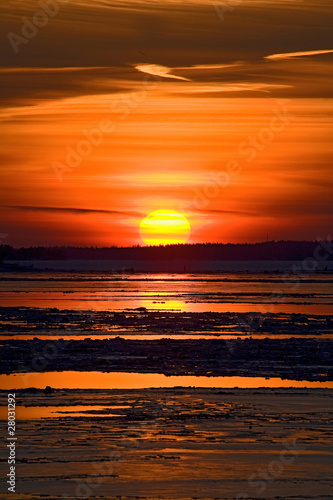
<point>160,245</point>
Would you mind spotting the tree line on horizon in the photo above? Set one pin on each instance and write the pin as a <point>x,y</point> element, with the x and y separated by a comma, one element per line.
<point>270,250</point>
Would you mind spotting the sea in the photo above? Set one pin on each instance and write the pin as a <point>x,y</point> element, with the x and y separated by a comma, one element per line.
<point>216,292</point>
<point>273,293</point>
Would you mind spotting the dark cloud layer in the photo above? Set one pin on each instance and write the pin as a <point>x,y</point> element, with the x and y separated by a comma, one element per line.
<point>114,33</point>
<point>77,211</point>
<point>110,38</point>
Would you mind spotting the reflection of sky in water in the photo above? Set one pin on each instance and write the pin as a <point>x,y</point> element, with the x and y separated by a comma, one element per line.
<point>77,302</point>
<point>123,380</point>
<point>38,412</point>
<point>201,293</point>
<point>164,305</point>
<point>187,336</point>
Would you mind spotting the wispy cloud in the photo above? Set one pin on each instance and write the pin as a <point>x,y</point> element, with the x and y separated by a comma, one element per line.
<point>212,88</point>
<point>77,211</point>
<point>210,66</point>
<point>67,69</point>
<point>290,55</point>
<point>227,212</point>
<point>158,70</point>
<point>166,72</point>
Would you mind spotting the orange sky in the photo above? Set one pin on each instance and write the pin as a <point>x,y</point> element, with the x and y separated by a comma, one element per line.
<point>228,123</point>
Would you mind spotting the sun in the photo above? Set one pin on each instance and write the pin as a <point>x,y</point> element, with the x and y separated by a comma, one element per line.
<point>164,227</point>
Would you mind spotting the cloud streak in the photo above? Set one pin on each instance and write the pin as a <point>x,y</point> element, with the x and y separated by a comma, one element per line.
<point>210,66</point>
<point>212,88</point>
<point>67,69</point>
<point>291,55</point>
<point>226,212</point>
<point>78,211</point>
<point>158,70</point>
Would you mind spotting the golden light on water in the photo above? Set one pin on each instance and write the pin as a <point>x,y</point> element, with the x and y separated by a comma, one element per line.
<point>164,227</point>
<point>123,380</point>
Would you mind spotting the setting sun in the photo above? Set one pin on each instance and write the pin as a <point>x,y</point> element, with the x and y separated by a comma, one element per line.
<point>164,227</point>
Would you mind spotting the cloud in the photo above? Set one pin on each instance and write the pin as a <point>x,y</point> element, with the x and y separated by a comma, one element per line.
<point>290,55</point>
<point>51,70</point>
<point>158,70</point>
<point>223,212</point>
<point>210,66</point>
<point>166,72</point>
<point>212,88</point>
<point>77,211</point>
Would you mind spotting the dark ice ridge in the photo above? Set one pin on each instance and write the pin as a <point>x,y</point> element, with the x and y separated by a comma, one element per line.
<point>292,358</point>
<point>28,320</point>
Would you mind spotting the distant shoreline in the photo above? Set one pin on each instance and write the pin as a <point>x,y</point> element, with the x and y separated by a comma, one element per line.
<point>164,266</point>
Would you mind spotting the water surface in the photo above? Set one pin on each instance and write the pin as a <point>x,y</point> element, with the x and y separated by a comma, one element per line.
<point>221,292</point>
<point>123,380</point>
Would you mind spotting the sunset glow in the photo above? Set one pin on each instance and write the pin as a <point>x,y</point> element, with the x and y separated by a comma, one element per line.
<point>192,106</point>
<point>166,248</point>
<point>164,227</point>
